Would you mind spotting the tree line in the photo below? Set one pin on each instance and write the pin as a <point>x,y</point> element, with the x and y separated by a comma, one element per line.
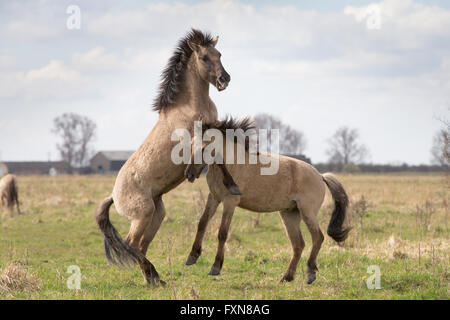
<point>345,151</point>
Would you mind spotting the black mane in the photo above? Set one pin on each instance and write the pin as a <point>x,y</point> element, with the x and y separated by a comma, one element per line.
<point>172,74</point>
<point>230,123</point>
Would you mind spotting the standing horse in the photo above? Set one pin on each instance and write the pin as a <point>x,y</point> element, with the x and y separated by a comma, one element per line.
<point>9,193</point>
<point>297,191</point>
<point>150,172</point>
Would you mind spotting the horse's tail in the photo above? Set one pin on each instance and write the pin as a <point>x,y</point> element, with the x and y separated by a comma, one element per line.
<point>335,229</point>
<point>15,195</point>
<point>117,251</point>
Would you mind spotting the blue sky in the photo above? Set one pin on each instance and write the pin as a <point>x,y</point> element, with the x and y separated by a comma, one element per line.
<point>318,65</point>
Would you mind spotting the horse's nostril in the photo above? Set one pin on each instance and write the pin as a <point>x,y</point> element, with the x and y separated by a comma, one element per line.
<point>224,78</point>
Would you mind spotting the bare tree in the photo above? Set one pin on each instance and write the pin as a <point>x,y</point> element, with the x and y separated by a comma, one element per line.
<point>292,141</point>
<point>344,147</point>
<point>440,151</point>
<point>77,133</point>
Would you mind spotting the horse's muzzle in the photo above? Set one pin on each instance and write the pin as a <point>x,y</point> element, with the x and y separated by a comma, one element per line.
<point>223,81</point>
<point>190,174</point>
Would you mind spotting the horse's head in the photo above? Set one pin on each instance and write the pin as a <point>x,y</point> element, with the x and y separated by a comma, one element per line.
<point>193,170</point>
<point>209,65</point>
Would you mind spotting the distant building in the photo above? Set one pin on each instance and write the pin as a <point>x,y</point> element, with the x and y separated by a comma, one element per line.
<point>35,167</point>
<point>106,162</point>
<point>3,169</point>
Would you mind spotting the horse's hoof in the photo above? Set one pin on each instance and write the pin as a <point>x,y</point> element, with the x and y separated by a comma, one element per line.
<point>234,190</point>
<point>286,279</point>
<point>214,272</point>
<point>161,283</point>
<point>156,282</point>
<point>310,278</point>
<point>191,260</point>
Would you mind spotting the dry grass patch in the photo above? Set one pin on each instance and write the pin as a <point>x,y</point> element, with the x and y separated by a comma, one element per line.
<point>397,248</point>
<point>16,278</point>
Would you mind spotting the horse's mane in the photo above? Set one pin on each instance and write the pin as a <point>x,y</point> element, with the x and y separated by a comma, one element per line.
<point>231,123</point>
<point>172,73</point>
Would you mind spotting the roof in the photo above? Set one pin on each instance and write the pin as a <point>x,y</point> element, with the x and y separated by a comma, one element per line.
<point>42,166</point>
<point>117,155</point>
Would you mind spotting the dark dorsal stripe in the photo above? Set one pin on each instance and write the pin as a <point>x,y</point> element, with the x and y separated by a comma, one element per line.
<point>172,74</point>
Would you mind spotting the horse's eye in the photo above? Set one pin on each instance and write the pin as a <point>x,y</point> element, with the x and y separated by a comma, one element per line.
<point>205,58</point>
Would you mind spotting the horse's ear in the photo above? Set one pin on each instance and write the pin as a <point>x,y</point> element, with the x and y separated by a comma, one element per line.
<point>214,42</point>
<point>194,47</point>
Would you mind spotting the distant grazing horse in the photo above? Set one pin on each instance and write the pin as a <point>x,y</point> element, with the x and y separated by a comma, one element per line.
<point>9,194</point>
<point>150,172</point>
<point>297,191</point>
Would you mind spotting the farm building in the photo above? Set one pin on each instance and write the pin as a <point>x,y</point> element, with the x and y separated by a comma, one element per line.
<point>35,167</point>
<point>105,162</point>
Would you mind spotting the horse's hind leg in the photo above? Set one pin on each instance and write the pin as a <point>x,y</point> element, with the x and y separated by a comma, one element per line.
<point>229,205</point>
<point>208,213</point>
<point>309,215</point>
<point>148,270</point>
<point>153,227</point>
<point>139,224</point>
<point>291,219</point>
<point>16,200</point>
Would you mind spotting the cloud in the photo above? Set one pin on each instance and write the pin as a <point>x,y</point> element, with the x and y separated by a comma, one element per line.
<point>101,59</point>
<point>7,61</point>
<point>406,25</point>
<point>54,80</point>
<point>96,59</point>
<point>318,70</point>
<point>55,70</point>
<point>26,30</point>
<point>85,74</point>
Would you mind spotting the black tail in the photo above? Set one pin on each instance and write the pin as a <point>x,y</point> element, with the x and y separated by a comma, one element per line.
<point>117,251</point>
<point>340,198</point>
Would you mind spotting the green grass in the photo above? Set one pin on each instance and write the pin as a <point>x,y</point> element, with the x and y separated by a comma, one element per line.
<point>58,230</point>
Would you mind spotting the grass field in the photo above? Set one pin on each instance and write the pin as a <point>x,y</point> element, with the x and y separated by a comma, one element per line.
<point>404,231</point>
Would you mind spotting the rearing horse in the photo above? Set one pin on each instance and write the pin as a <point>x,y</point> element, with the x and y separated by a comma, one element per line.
<point>149,172</point>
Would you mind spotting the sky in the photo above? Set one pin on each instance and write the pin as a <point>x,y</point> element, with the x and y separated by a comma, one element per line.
<point>380,67</point>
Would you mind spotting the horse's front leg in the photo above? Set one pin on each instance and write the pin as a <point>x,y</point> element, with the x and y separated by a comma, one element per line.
<point>229,204</point>
<point>208,213</point>
<point>228,181</point>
